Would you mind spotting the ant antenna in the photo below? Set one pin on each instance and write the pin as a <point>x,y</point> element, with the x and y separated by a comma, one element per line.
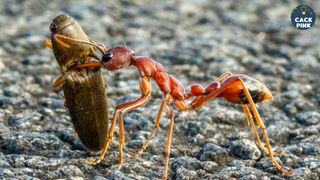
<point>57,36</point>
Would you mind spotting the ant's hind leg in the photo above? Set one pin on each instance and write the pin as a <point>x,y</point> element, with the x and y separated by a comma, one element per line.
<point>133,105</point>
<point>126,107</point>
<point>250,121</point>
<point>262,127</point>
<point>145,95</point>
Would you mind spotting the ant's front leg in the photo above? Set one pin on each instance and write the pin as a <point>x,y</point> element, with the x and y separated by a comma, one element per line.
<point>130,106</point>
<point>125,107</point>
<point>58,81</point>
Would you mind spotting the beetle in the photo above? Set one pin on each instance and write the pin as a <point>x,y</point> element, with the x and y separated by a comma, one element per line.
<point>84,89</point>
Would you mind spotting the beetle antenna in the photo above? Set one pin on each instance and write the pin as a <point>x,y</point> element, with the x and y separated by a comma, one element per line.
<point>95,45</point>
<point>57,36</point>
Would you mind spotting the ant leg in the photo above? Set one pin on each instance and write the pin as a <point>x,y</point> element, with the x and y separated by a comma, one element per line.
<point>250,121</point>
<point>145,95</point>
<point>111,130</point>
<point>47,43</point>
<point>156,125</point>
<point>169,111</point>
<point>201,100</point>
<point>89,64</point>
<point>262,127</point>
<point>135,105</point>
<point>110,136</point>
<point>60,79</point>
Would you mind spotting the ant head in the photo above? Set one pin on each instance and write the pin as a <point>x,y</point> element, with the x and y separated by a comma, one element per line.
<point>117,58</point>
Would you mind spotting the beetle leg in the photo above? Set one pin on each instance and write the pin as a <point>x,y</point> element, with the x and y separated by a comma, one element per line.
<point>47,43</point>
<point>156,126</point>
<point>74,134</point>
<point>65,102</point>
<point>90,40</point>
<point>250,121</point>
<point>58,81</point>
<point>95,48</point>
<point>88,58</point>
<point>262,127</point>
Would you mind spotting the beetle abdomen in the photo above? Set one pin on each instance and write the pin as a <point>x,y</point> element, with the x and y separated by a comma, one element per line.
<point>86,99</point>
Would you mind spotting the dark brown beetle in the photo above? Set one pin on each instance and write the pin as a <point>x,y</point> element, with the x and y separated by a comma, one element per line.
<point>84,88</point>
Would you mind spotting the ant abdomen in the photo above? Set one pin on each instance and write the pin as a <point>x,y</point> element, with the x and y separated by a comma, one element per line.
<point>236,95</point>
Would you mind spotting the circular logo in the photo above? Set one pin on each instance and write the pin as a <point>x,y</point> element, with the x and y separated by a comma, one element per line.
<point>303,17</point>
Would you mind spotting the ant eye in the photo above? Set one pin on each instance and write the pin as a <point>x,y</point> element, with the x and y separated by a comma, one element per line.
<point>52,27</point>
<point>107,57</point>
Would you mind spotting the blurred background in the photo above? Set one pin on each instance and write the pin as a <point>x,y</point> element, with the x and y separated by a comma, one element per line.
<point>195,41</point>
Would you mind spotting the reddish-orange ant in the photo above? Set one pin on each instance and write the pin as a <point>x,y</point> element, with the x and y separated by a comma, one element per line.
<point>236,89</point>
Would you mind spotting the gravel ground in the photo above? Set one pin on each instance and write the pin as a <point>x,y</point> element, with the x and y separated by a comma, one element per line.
<point>196,41</point>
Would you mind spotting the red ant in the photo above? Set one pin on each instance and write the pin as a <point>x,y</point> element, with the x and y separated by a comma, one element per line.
<point>236,89</point>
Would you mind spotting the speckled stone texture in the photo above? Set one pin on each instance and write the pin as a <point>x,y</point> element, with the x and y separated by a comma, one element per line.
<point>196,41</point>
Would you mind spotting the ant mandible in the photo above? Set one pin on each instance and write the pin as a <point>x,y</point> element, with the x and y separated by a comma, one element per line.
<point>236,89</point>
